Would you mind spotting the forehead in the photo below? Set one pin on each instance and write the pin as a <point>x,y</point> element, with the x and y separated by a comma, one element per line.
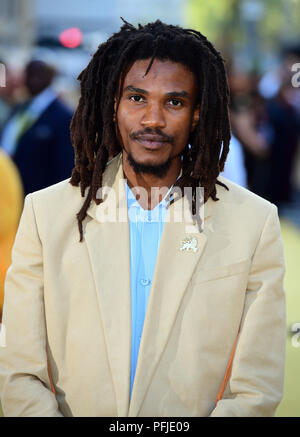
<point>166,76</point>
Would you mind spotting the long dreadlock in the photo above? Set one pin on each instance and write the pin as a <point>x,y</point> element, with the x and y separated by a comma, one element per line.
<point>93,130</point>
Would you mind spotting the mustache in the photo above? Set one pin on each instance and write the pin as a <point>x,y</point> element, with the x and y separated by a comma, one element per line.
<point>159,135</point>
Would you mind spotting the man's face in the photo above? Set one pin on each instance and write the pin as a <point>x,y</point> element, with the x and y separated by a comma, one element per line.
<point>156,112</point>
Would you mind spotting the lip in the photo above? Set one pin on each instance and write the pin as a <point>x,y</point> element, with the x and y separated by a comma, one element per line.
<point>151,142</point>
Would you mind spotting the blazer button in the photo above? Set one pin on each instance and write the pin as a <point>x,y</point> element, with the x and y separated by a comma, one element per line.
<point>145,282</point>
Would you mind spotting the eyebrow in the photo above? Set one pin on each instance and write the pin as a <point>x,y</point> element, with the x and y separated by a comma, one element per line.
<point>170,94</point>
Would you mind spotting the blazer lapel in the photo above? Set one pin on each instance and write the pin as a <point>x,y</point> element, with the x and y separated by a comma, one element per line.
<point>109,250</point>
<point>173,271</point>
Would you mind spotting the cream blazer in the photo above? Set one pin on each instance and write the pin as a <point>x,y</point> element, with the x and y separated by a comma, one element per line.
<point>67,311</point>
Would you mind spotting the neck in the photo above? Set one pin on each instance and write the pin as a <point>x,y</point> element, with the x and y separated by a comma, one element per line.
<point>149,188</point>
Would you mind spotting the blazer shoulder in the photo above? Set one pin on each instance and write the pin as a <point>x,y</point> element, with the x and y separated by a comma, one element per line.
<point>57,198</point>
<point>236,194</point>
<point>243,204</point>
<point>65,197</point>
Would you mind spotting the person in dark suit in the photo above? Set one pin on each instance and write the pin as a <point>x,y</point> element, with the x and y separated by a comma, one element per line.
<point>285,123</point>
<point>37,135</point>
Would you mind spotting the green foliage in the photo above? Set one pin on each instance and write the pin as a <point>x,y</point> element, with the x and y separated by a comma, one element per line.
<point>221,21</point>
<point>210,17</point>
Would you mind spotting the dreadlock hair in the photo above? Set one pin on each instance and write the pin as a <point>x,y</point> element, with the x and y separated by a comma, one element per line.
<point>93,133</point>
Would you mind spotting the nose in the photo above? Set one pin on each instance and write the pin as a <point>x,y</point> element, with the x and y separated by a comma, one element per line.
<point>153,116</point>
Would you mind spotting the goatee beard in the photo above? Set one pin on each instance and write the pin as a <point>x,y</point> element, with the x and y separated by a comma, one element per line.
<point>159,170</point>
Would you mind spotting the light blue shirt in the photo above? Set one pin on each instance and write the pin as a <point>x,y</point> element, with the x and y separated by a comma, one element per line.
<point>145,231</point>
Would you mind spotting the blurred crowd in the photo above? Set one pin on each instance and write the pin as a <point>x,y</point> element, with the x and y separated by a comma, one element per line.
<point>35,148</point>
<point>265,119</point>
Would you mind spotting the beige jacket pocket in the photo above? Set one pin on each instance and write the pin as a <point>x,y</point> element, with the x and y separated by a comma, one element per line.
<point>204,275</point>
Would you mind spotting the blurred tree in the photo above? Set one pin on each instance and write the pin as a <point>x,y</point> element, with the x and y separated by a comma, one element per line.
<point>219,21</point>
<point>213,18</point>
<point>235,25</point>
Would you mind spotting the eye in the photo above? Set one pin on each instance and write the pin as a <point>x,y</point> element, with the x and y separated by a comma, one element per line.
<point>175,102</point>
<point>136,98</point>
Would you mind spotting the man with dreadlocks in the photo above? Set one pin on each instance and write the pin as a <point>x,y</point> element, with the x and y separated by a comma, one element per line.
<point>126,311</point>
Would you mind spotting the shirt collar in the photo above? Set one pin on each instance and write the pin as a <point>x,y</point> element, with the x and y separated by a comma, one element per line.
<point>132,202</point>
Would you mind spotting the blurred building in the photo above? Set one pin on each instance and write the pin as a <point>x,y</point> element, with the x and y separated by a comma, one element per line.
<point>17,29</point>
<point>17,22</point>
<point>97,20</point>
<point>101,16</point>
<point>32,29</point>
<point>29,22</point>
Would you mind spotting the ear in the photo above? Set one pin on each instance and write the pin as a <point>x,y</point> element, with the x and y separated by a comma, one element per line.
<point>195,118</point>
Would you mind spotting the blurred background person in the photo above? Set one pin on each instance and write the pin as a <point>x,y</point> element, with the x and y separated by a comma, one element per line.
<point>11,204</point>
<point>283,109</point>
<point>36,136</point>
<point>10,94</point>
<point>265,117</point>
<point>249,124</point>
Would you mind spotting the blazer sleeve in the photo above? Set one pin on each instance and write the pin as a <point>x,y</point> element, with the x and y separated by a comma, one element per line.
<point>255,386</point>
<point>24,382</point>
